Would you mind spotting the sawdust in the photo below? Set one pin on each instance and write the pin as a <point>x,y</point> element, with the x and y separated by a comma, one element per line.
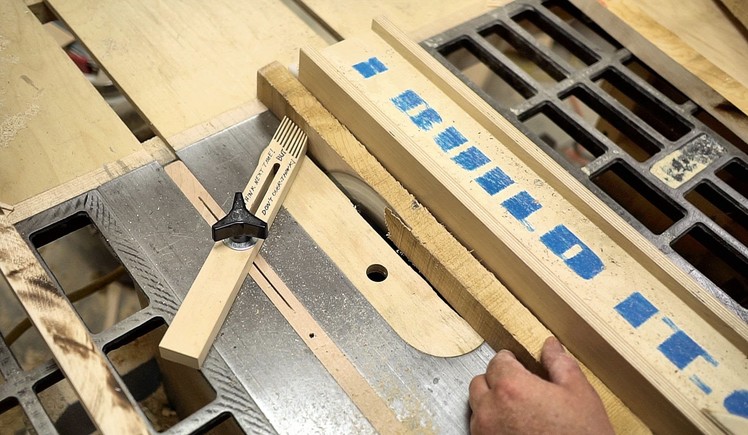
<point>12,124</point>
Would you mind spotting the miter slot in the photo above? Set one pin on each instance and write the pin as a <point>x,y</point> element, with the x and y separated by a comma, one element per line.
<point>166,392</point>
<point>62,405</point>
<point>13,419</point>
<point>717,260</point>
<point>19,334</point>
<point>735,175</point>
<point>720,208</point>
<point>643,201</point>
<point>89,273</point>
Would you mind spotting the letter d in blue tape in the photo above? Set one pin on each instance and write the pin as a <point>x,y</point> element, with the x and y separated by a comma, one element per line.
<point>585,263</point>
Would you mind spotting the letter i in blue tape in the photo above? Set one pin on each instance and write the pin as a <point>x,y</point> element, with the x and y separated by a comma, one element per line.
<point>370,68</point>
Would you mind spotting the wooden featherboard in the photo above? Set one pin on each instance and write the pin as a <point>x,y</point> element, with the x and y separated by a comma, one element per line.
<point>612,297</point>
<point>72,346</point>
<point>473,291</point>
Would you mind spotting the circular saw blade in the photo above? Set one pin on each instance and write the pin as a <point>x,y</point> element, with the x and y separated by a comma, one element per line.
<point>367,201</point>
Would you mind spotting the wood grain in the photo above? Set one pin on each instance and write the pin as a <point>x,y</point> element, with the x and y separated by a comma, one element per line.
<point>580,311</point>
<point>72,346</point>
<point>185,63</point>
<point>471,289</point>
<point>738,9</point>
<point>54,127</point>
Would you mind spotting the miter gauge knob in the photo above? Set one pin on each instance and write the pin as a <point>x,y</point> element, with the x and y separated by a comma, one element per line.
<point>240,229</point>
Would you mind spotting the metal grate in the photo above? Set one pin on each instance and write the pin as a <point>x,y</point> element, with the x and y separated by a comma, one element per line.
<point>670,169</point>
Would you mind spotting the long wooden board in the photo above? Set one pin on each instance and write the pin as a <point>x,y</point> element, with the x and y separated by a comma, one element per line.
<point>54,127</point>
<point>72,346</point>
<point>600,286</point>
<point>473,291</point>
<point>185,63</point>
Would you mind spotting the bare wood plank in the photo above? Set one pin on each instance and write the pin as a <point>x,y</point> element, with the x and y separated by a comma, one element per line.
<point>67,337</point>
<point>578,300</point>
<point>473,291</point>
<point>203,311</point>
<point>185,63</point>
<point>54,127</point>
<point>739,9</point>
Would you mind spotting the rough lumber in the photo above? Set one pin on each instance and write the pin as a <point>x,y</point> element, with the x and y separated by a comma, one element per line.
<point>473,291</point>
<point>72,346</point>
<point>184,63</point>
<point>54,127</point>
<point>574,263</point>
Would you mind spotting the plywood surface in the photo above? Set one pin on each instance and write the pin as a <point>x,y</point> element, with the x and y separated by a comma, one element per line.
<point>54,126</point>
<point>184,63</point>
<point>489,199</point>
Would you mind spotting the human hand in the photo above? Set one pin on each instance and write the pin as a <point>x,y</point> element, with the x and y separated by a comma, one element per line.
<point>508,399</point>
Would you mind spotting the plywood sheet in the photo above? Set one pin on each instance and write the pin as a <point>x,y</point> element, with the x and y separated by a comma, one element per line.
<point>54,127</point>
<point>184,63</point>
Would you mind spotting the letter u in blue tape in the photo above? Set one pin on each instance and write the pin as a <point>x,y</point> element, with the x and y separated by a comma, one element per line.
<point>585,263</point>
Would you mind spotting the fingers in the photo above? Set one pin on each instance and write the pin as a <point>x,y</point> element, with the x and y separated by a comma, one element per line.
<point>478,388</point>
<point>503,364</point>
<point>562,368</point>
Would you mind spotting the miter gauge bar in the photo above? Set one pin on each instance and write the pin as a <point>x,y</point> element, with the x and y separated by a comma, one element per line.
<point>243,231</point>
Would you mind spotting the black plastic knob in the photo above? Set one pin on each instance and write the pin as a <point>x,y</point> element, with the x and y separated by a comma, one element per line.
<point>239,225</point>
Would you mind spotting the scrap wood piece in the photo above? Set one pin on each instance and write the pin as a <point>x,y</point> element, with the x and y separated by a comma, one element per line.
<point>72,346</point>
<point>471,289</point>
<point>618,303</point>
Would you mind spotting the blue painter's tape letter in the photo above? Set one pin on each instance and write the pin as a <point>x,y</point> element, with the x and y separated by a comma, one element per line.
<point>584,263</point>
<point>425,118</point>
<point>521,206</point>
<point>370,68</point>
<point>494,181</point>
<point>737,403</point>
<point>636,309</point>
<point>471,159</point>
<point>681,350</point>
<point>449,138</point>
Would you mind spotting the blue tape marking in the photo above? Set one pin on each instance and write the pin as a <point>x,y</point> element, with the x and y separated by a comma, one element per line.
<point>471,159</point>
<point>426,118</point>
<point>699,383</point>
<point>449,138</point>
<point>370,68</point>
<point>681,350</point>
<point>494,181</point>
<point>636,309</point>
<point>521,206</point>
<point>586,263</point>
<point>737,403</point>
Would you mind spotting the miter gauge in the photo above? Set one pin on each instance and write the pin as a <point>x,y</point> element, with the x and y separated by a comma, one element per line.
<point>238,238</point>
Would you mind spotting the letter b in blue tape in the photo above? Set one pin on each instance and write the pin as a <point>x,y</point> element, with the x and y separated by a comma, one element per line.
<point>585,263</point>
<point>370,68</point>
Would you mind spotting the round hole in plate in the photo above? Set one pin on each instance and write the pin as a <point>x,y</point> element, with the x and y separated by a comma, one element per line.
<point>376,272</point>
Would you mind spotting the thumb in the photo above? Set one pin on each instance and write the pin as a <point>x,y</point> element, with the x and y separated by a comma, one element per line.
<point>562,368</point>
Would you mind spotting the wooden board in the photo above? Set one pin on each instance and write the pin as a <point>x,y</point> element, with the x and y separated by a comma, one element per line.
<point>581,279</point>
<point>184,63</point>
<point>346,19</point>
<point>738,9</point>
<point>72,346</point>
<point>473,291</point>
<point>54,127</point>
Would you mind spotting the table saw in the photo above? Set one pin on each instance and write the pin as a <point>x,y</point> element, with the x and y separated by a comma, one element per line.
<point>476,177</point>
